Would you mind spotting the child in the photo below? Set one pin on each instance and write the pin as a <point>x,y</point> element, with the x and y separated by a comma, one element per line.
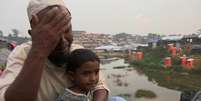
<point>83,70</point>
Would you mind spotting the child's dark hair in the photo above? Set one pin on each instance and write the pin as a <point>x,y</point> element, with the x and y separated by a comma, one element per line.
<point>79,57</point>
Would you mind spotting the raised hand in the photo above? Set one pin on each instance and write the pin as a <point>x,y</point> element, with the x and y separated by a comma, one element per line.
<point>47,31</point>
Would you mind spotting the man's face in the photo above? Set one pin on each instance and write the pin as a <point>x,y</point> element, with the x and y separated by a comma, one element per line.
<point>63,47</point>
<point>59,55</point>
<point>66,38</point>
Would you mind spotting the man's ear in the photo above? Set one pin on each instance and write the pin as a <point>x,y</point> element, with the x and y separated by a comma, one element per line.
<point>71,75</point>
<point>29,31</point>
<point>34,20</point>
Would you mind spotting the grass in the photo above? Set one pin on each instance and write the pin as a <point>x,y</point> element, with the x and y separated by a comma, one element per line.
<point>2,46</point>
<point>2,66</point>
<point>145,93</point>
<point>111,54</point>
<point>154,58</point>
<point>175,77</point>
<point>119,67</point>
<point>176,81</point>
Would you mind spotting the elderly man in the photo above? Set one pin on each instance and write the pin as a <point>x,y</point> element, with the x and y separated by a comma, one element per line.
<point>34,70</point>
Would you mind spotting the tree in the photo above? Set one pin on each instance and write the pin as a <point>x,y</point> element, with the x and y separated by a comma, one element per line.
<point>1,33</point>
<point>15,32</point>
<point>9,35</point>
<point>199,31</point>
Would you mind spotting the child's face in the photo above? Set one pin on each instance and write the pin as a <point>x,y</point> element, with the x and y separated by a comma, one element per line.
<point>86,76</point>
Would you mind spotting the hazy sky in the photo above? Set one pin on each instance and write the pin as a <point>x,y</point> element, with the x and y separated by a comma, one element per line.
<point>114,16</point>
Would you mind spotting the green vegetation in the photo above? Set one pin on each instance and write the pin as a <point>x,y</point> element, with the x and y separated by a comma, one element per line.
<point>175,77</point>
<point>3,45</point>
<point>172,80</point>
<point>2,66</point>
<point>119,67</point>
<point>111,54</point>
<point>154,59</point>
<point>145,93</point>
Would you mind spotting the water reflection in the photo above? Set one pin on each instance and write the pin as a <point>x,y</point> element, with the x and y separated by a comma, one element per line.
<point>178,81</point>
<point>187,84</point>
<point>127,82</point>
<point>145,93</point>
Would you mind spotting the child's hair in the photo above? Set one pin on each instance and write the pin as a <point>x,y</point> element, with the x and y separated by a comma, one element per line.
<point>79,57</point>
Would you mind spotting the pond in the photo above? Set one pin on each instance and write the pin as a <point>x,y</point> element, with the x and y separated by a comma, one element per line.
<point>135,85</point>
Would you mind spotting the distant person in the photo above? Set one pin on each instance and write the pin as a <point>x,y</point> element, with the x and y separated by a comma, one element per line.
<point>12,45</point>
<point>35,70</point>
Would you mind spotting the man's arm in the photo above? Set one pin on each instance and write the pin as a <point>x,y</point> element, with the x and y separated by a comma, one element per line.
<point>25,86</point>
<point>45,34</point>
<point>100,95</point>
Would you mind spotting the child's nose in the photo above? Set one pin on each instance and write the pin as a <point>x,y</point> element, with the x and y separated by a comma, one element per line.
<point>93,78</point>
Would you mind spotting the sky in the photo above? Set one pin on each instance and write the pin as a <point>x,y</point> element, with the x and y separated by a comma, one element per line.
<point>115,16</point>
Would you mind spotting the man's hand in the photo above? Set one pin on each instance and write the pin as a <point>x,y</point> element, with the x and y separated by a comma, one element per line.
<point>47,31</point>
<point>100,95</point>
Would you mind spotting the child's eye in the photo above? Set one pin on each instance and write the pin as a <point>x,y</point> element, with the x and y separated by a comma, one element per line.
<point>86,73</point>
<point>97,72</point>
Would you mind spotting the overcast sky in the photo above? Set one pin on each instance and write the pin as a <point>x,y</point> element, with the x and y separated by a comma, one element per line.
<point>114,16</point>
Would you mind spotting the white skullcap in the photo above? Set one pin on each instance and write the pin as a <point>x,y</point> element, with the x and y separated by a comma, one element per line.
<point>36,6</point>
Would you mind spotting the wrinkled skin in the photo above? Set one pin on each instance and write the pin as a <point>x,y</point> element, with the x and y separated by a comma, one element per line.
<point>59,49</point>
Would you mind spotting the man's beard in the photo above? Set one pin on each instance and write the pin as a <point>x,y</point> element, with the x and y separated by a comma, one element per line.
<point>59,59</point>
<point>61,53</point>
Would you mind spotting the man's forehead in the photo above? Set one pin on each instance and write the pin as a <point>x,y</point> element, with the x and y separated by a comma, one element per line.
<point>52,6</point>
<point>36,6</point>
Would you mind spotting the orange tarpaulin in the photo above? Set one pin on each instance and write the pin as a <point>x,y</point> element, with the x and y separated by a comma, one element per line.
<point>183,61</point>
<point>173,51</point>
<point>139,56</point>
<point>189,64</point>
<point>167,61</point>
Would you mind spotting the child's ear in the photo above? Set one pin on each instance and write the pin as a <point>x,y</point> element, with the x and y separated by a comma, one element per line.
<point>71,75</point>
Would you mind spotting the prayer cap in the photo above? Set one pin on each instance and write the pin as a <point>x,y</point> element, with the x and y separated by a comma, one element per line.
<point>35,6</point>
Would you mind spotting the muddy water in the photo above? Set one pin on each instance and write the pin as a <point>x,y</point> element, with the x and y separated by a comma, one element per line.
<point>127,81</point>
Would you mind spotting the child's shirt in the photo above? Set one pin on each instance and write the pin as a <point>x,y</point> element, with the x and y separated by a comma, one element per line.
<point>69,95</point>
